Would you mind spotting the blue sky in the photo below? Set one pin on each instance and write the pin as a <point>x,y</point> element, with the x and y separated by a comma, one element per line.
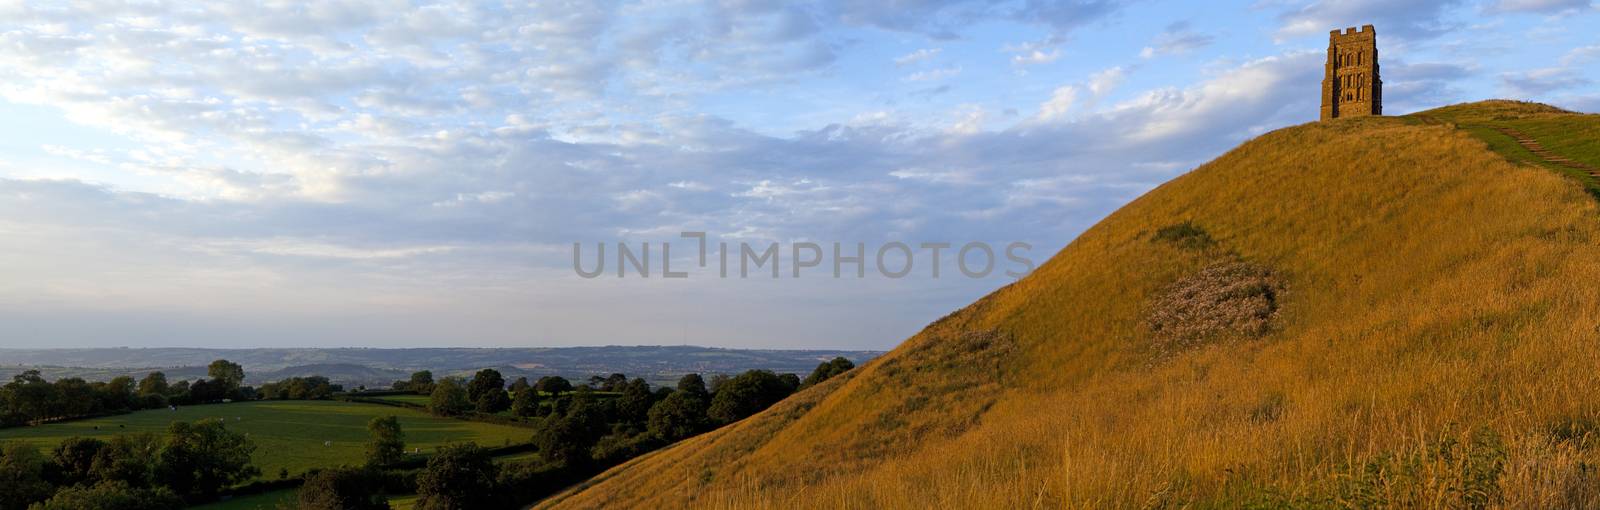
<point>378,173</point>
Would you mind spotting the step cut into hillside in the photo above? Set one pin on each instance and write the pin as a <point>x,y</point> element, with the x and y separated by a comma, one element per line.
<point>1354,313</point>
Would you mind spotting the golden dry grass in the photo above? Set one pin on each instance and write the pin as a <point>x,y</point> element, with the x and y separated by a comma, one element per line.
<point>1438,345</point>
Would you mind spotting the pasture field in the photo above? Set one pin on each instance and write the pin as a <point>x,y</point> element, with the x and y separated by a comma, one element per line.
<point>264,501</point>
<point>285,499</point>
<point>421,400</point>
<point>288,434</point>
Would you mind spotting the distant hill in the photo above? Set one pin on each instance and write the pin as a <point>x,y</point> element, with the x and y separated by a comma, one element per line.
<point>379,367</point>
<point>1395,312</point>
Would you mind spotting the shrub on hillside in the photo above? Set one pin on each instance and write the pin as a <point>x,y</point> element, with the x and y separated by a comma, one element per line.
<point>826,370</point>
<point>1225,298</point>
<point>1185,235</point>
<point>747,394</point>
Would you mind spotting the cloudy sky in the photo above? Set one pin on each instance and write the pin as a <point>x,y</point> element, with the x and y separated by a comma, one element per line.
<point>376,173</point>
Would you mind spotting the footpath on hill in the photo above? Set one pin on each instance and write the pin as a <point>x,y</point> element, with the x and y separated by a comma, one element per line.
<point>1563,141</point>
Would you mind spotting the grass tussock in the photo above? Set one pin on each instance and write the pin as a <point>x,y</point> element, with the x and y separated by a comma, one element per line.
<point>1437,350</point>
<point>1185,235</point>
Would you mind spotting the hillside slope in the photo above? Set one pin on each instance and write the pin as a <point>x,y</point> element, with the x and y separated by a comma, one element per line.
<point>1365,312</point>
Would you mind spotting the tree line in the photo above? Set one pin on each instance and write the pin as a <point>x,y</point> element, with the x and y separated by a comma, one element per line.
<point>30,400</point>
<point>579,430</point>
<point>191,463</point>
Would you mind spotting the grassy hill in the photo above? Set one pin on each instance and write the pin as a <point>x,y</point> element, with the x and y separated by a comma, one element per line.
<point>1375,312</point>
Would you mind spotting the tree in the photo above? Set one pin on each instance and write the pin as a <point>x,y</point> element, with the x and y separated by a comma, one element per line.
<point>315,387</point>
<point>388,446</point>
<point>449,398</point>
<point>77,398</point>
<point>526,404</point>
<point>112,495</point>
<point>421,382</point>
<point>341,489</point>
<point>74,459</point>
<point>520,384</point>
<point>130,458</point>
<point>119,394</point>
<point>202,458</point>
<point>227,374</point>
<point>22,475</point>
<point>32,398</point>
<point>179,393</point>
<point>554,385</point>
<point>633,407</point>
<point>155,383</point>
<point>485,381</point>
<point>566,439</point>
<point>9,417</point>
<point>613,382</point>
<point>717,381</point>
<point>693,383</point>
<point>492,402</point>
<point>680,415</point>
<point>747,394</point>
<point>202,391</point>
<point>827,370</point>
<point>487,391</point>
<point>460,477</point>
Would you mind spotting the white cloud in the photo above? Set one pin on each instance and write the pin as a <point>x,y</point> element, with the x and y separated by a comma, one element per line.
<point>934,74</point>
<point>1176,39</point>
<point>1104,81</point>
<point>1405,19</point>
<point>1538,6</point>
<point>1043,51</point>
<point>1059,105</point>
<point>1538,82</point>
<point>1036,57</point>
<point>1581,55</point>
<point>916,56</point>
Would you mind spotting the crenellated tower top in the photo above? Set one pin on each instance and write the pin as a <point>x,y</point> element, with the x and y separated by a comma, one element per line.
<point>1350,85</point>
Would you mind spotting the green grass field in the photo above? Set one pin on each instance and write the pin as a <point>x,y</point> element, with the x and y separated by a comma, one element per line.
<point>421,400</point>
<point>264,501</point>
<point>285,499</point>
<point>289,434</point>
<point>1575,137</point>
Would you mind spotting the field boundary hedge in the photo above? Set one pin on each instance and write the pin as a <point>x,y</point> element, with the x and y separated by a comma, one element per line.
<point>477,417</point>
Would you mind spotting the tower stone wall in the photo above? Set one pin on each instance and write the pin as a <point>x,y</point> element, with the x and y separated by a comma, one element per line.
<point>1350,83</point>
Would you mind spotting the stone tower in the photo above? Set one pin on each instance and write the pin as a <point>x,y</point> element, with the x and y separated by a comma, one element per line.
<point>1350,85</point>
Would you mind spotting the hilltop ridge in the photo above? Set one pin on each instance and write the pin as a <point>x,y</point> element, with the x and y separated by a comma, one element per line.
<point>1367,312</point>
